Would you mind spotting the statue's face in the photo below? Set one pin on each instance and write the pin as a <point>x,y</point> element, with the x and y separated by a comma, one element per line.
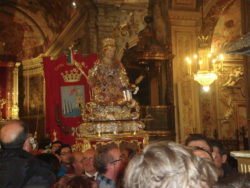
<point>110,52</point>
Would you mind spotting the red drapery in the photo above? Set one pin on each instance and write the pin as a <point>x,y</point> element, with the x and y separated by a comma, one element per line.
<point>61,96</point>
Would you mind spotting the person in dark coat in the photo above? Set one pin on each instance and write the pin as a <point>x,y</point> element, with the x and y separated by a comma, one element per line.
<point>18,168</point>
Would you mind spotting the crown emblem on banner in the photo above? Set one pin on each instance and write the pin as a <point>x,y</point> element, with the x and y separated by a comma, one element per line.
<point>71,76</point>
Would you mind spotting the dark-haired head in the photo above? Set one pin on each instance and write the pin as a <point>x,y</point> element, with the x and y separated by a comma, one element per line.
<point>199,140</point>
<point>65,154</point>
<point>59,151</point>
<point>74,181</point>
<point>56,142</point>
<point>217,144</point>
<point>55,146</point>
<point>220,158</point>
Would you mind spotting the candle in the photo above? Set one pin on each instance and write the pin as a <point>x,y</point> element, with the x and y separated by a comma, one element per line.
<point>190,69</point>
<point>124,95</point>
<point>189,62</point>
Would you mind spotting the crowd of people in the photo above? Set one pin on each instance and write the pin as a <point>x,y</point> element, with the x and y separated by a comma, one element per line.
<point>200,163</point>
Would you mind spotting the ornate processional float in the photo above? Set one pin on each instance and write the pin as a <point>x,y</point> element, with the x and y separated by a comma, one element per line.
<point>112,115</point>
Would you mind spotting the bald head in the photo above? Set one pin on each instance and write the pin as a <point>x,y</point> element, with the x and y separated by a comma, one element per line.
<point>13,134</point>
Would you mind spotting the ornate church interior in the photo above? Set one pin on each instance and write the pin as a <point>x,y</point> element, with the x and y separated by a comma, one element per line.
<point>182,68</point>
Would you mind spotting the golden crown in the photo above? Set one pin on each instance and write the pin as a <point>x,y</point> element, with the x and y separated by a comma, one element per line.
<point>108,42</point>
<point>71,76</point>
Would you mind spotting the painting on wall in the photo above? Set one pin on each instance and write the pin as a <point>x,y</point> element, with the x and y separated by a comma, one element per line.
<point>34,102</point>
<point>241,117</point>
<point>241,121</point>
<point>236,127</point>
<point>228,27</point>
<point>227,132</point>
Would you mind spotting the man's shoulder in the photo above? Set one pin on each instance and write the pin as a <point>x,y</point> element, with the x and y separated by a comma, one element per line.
<point>38,171</point>
<point>14,157</point>
<point>29,169</point>
<point>39,166</point>
<point>34,169</point>
<point>104,182</point>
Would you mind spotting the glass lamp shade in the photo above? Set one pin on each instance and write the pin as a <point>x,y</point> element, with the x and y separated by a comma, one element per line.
<point>205,78</point>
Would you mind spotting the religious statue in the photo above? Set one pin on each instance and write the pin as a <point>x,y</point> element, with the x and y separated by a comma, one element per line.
<point>108,78</point>
<point>111,92</point>
<point>234,77</point>
<point>111,107</point>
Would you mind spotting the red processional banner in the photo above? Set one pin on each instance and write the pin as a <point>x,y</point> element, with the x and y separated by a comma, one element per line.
<point>66,90</point>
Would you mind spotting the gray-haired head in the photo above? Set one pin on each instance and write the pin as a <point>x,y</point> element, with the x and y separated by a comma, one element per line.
<point>169,165</point>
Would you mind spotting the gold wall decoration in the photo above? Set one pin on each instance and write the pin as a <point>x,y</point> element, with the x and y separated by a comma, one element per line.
<point>15,107</point>
<point>184,34</point>
<point>208,112</point>
<point>211,114</point>
<point>184,4</point>
<point>2,102</point>
<point>231,90</point>
<point>234,77</point>
<point>12,91</point>
<point>121,20</point>
<point>32,91</point>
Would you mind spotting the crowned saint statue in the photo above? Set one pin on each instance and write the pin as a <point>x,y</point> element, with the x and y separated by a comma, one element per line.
<point>108,78</point>
<point>111,107</point>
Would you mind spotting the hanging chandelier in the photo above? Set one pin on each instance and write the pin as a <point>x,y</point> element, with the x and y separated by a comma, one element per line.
<point>205,78</point>
<point>202,65</point>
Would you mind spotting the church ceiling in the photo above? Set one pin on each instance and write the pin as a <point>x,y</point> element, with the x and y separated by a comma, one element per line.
<point>215,9</point>
<point>27,27</point>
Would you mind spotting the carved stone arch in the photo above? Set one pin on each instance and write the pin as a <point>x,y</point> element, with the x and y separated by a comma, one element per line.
<point>212,17</point>
<point>22,36</point>
<point>25,14</point>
